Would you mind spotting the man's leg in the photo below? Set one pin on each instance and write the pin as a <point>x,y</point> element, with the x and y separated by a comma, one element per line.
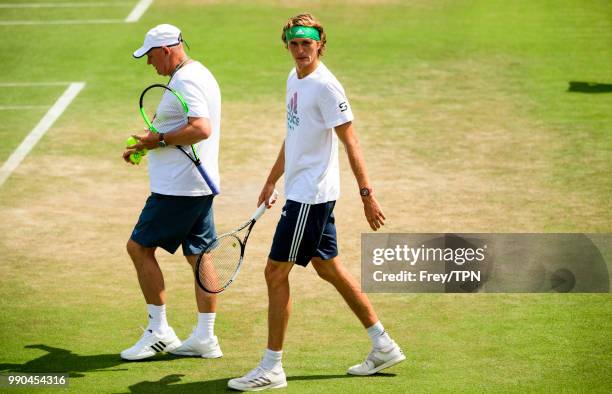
<point>149,274</point>
<point>269,373</point>
<point>207,302</point>
<point>202,342</point>
<point>334,272</point>
<point>158,336</point>
<point>385,352</point>
<point>279,302</point>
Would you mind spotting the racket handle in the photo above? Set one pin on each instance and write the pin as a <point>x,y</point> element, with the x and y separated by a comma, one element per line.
<point>209,182</point>
<point>262,208</point>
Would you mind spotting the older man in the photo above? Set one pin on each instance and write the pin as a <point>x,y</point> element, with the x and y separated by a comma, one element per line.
<point>179,210</point>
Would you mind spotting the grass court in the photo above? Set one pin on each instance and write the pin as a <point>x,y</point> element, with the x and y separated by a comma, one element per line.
<point>467,122</point>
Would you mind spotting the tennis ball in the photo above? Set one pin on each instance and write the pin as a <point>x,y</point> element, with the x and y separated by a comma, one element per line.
<point>135,157</point>
<point>131,141</point>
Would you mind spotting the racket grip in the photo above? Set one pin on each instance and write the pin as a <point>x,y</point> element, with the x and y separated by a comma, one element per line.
<point>209,182</point>
<point>262,208</point>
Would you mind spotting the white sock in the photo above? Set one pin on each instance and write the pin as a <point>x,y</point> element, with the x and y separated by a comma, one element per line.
<point>378,335</point>
<point>271,359</point>
<point>157,318</point>
<point>206,325</point>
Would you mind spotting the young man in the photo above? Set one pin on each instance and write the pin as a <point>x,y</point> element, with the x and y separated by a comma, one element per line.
<point>179,209</point>
<point>318,114</point>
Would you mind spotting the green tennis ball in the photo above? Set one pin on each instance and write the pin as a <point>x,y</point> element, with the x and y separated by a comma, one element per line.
<point>135,157</point>
<point>131,141</point>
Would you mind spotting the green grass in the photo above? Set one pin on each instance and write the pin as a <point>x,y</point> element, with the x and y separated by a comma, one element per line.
<point>17,122</point>
<point>467,125</point>
<point>64,13</point>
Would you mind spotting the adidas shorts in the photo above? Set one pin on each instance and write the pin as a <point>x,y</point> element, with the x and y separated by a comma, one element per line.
<point>171,221</point>
<point>305,231</point>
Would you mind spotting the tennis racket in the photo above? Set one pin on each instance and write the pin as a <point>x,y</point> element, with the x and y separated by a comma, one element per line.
<point>218,266</point>
<point>163,110</point>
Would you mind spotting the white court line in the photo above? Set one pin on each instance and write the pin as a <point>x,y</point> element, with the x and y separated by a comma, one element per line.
<point>139,9</point>
<point>18,107</point>
<point>61,5</point>
<point>39,130</point>
<point>137,12</point>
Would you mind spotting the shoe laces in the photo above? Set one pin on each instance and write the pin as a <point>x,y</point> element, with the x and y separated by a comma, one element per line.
<point>371,358</point>
<point>257,371</point>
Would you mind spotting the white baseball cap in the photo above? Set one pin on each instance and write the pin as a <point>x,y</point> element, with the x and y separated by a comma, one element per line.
<point>160,36</point>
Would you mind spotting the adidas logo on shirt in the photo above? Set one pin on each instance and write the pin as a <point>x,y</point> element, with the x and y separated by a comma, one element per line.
<point>293,119</point>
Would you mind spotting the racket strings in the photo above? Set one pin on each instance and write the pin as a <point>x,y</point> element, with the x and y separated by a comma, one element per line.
<point>219,264</point>
<point>164,109</point>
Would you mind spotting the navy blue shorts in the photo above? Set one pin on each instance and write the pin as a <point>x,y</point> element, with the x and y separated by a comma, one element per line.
<point>170,221</point>
<point>305,231</point>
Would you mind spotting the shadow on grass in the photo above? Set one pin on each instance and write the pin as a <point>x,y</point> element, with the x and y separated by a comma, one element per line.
<point>166,385</point>
<point>59,360</point>
<point>589,87</point>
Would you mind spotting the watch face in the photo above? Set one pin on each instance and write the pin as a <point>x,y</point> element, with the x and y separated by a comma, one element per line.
<point>365,191</point>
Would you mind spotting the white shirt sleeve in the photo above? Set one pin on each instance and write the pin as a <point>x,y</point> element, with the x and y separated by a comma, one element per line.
<point>334,106</point>
<point>195,98</point>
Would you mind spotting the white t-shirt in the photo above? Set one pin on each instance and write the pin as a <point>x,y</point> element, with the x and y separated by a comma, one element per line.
<point>170,171</point>
<point>315,105</point>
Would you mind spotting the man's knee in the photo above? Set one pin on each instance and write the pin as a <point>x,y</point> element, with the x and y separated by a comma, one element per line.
<point>277,273</point>
<point>328,270</point>
<point>134,249</point>
<point>138,253</point>
<point>192,260</point>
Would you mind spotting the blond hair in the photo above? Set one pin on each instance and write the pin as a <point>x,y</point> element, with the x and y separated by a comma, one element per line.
<point>305,20</point>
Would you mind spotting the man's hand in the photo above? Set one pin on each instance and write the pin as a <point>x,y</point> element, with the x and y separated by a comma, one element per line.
<point>373,212</point>
<point>266,193</point>
<point>126,156</point>
<point>145,141</point>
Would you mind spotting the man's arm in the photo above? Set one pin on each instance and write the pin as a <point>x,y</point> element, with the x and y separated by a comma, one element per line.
<point>276,172</point>
<point>196,130</point>
<point>373,212</point>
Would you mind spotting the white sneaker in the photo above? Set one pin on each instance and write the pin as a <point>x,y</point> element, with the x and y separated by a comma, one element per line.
<point>194,346</point>
<point>260,379</point>
<point>378,360</point>
<point>152,343</point>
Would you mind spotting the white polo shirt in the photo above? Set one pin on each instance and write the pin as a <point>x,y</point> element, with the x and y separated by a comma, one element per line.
<point>170,171</point>
<point>315,105</point>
